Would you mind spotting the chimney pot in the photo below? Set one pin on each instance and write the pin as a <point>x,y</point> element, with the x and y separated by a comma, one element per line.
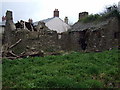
<point>9,15</point>
<point>66,20</point>
<point>56,13</point>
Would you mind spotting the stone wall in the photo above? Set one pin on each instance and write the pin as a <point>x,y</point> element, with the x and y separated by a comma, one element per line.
<point>104,38</point>
<point>97,39</point>
<point>23,39</point>
<point>47,42</point>
<point>65,41</point>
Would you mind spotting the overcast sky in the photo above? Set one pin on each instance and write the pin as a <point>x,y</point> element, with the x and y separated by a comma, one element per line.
<point>43,9</point>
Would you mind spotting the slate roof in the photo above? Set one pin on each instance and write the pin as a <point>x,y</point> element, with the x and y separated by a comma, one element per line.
<point>56,24</point>
<point>44,20</point>
<point>79,26</point>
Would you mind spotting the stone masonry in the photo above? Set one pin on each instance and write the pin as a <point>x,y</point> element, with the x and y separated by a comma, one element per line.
<point>99,36</point>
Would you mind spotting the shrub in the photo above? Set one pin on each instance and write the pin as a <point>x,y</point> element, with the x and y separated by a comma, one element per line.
<point>91,18</point>
<point>102,16</point>
<point>114,13</point>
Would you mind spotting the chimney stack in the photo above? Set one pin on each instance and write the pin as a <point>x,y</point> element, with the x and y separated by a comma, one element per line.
<point>66,20</point>
<point>83,15</point>
<point>30,20</point>
<point>56,13</point>
<point>9,21</point>
<point>9,15</point>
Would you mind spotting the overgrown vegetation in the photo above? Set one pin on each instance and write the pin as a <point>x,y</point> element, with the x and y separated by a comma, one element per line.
<point>74,70</point>
<point>110,12</point>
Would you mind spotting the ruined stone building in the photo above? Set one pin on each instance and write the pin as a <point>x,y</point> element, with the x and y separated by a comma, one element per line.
<point>55,23</point>
<point>91,36</point>
<point>27,38</point>
<point>95,36</point>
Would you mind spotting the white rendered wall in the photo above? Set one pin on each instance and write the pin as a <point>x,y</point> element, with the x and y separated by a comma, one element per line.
<point>58,25</point>
<point>119,6</point>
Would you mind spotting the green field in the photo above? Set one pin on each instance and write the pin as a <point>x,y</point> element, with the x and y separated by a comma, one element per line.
<point>73,70</point>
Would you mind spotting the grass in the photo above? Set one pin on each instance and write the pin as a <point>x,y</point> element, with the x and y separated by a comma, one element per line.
<point>74,70</point>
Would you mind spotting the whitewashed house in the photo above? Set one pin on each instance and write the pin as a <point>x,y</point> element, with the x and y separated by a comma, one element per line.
<point>55,23</point>
<point>119,6</point>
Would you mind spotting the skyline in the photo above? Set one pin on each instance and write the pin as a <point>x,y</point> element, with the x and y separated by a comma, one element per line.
<point>43,9</point>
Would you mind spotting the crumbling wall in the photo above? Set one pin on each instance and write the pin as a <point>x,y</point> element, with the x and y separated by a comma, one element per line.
<point>46,42</point>
<point>9,27</point>
<point>65,41</point>
<point>103,38</point>
<point>74,41</point>
<point>19,40</point>
<point>100,38</point>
